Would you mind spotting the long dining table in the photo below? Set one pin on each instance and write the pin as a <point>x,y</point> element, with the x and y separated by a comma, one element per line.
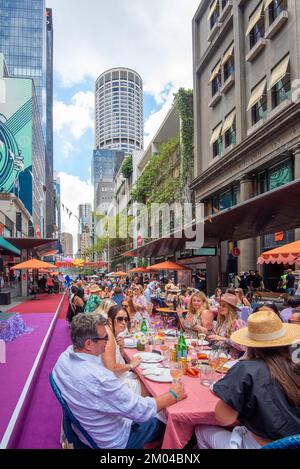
<point>182,417</point>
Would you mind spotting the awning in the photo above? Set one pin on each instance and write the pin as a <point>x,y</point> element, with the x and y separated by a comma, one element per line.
<point>216,134</point>
<point>257,93</point>
<point>228,54</point>
<point>279,71</point>
<point>5,246</point>
<point>215,72</point>
<point>229,121</point>
<point>212,9</point>
<point>264,214</point>
<point>254,18</point>
<point>267,3</point>
<point>287,254</point>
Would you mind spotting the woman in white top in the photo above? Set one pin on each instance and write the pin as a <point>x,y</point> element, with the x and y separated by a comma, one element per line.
<point>140,305</point>
<point>113,359</point>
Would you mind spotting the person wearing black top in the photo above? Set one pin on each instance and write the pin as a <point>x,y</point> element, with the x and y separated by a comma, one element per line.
<point>261,392</point>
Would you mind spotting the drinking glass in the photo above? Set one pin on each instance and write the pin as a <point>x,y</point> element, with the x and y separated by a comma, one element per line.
<point>206,375</point>
<point>201,337</point>
<point>165,351</point>
<point>176,371</point>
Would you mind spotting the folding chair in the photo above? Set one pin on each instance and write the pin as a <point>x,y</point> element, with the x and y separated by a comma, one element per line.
<point>70,421</point>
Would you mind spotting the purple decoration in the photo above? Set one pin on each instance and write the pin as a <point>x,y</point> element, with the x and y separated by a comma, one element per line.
<point>13,327</point>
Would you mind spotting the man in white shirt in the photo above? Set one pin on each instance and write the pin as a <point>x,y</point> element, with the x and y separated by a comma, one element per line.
<point>113,415</point>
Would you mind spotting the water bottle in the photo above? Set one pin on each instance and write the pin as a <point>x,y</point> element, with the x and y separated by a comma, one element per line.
<point>182,349</point>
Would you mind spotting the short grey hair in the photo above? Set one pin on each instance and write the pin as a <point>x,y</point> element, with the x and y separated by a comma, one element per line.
<point>84,327</point>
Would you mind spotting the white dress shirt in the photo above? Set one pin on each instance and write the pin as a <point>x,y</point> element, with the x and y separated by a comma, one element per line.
<point>104,407</point>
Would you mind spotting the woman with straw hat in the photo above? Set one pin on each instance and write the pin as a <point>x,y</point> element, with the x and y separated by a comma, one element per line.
<point>262,392</point>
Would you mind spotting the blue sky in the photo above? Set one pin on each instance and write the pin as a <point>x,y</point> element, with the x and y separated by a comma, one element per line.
<point>153,37</point>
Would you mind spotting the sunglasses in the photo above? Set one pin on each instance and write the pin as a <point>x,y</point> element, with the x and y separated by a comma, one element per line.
<point>122,318</point>
<point>95,339</point>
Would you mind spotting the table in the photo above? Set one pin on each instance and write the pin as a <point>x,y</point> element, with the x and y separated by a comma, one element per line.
<point>165,314</point>
<point>197,408</point>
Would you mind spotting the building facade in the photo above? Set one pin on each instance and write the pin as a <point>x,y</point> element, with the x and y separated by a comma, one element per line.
<point>67,244</point>
<point>23,41</point>
<point>50,209</point>
<point>105,165</point>
<point>247,131</point>
<point>57,207</point>
<point>119,110</point>
<point>22,169</point>
<point>85,228</point>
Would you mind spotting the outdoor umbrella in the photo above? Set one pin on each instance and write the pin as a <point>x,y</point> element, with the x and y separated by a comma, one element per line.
<point>288,254</point>
<point>139,270</point>
<point>167,265</point>
<point>120,274</point>
<point>33,264</point>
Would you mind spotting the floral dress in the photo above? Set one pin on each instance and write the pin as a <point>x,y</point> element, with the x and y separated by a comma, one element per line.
<point>142,313</point>
<point>92,304</point>
<point>234,349</point>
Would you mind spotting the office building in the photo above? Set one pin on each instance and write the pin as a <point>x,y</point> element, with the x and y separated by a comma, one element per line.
<point>57,207</point>
<point>119,111</point>
<point>247,133</point>
<point>105,165</point>
<point>85,229</point>
<point>22,146</point>
<point>67,244</point>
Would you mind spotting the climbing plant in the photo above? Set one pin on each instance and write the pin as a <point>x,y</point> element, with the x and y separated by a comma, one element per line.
<point>127,167</point>
<point>184,104</point>
<point>157,183</point>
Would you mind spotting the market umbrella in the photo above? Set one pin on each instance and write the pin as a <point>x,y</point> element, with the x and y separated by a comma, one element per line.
<point>111,274</point>
<point>167,265</point>
<point>120,274</point>
<point>139,270</point>
<point>287,254</point>
<point>33,264</point>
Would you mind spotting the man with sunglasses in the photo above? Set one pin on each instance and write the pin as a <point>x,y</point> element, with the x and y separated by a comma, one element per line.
<point>113,415</point>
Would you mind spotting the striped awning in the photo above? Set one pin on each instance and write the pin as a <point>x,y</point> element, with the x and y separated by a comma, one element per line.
<point>254,18</point>
<point>257,93</point>
<point>216,133</point>
<point>279,71</point>
<point>228,122</point>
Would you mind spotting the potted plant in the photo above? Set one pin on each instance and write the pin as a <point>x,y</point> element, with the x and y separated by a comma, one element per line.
<point>142,340</point>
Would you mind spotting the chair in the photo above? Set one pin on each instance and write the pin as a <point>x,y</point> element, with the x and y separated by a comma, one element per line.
<point>291,442</point>
<point>70,421</point>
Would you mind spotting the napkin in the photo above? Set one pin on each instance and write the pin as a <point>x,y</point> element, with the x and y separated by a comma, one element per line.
<point>130,343</point>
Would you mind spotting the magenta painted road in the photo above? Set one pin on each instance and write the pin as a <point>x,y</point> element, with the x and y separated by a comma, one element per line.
<point>20,356</point>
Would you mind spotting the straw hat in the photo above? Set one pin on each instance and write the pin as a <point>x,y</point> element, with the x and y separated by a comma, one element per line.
<point>265,329</point>
<point>231,300</point>
<point>94,289</point>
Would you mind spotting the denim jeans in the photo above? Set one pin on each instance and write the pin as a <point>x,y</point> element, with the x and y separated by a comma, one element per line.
<point>142,433</point>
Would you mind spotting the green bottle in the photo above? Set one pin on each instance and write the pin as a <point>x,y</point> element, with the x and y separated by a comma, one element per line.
<point>144,327</point>
<point>181,349</point>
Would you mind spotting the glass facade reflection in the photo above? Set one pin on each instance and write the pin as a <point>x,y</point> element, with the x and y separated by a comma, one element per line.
<point>23,41</point>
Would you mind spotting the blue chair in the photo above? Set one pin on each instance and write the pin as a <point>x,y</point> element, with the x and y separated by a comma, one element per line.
<point>70,421</point>
<point>290,442</point>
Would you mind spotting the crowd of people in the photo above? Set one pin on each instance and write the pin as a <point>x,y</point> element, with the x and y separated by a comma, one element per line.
<point>261,392</point>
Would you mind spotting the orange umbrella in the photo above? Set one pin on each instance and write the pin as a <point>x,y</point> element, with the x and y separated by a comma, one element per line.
<point>288,254</point>
<point>120,274</point>
<point>139,270</point>
<point>33,264</point>
<point>167,265</point>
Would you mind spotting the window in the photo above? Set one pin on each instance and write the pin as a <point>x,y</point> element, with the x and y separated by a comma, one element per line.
<point>216,79</point>
<point>229,129</point>
<point>281,82</point>
<point>230,137</point>
<point>214,13</point>
<point>217,148</point>
<point>229,68</point>
<point>275,8</point>
<point>275,176</point>
<point>258,102</point>
<point>256,25</point>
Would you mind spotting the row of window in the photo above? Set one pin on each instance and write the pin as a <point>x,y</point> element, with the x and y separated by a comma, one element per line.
<point>279,87</point>
<point>272,178</point>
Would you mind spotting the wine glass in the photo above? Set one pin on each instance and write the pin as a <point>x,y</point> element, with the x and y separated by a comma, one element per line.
<point>165,351</point>
<point>201,337</point>
<point>223,357</point>
<point>176,371</point>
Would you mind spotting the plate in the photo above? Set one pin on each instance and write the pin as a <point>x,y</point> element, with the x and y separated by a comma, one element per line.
<point>130,343</point>
<point>211,387</point>
<point>148,357</point>
<point>189,342</point>
<point>159,375</point>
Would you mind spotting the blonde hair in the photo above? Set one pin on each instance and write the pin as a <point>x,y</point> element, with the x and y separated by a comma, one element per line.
<point>205,306</point>
<point>230,318</point>
<point>105,306</point>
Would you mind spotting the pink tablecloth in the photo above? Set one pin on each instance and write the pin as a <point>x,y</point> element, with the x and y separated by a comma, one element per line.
<point>198,408</point>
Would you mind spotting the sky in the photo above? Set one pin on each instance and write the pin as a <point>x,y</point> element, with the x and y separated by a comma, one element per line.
<point>153,37</point>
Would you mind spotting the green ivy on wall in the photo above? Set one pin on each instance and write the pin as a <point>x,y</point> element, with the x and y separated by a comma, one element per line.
<point>127,167</point>
<point>157,183</point>
<point>184,104</point>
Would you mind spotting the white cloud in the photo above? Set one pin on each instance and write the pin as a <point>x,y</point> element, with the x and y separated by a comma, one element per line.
<point>73,193</point>
<point>153,37</point>
<point>74,118</point>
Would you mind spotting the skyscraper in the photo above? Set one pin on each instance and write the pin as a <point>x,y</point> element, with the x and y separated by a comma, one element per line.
<point>50,209</point>
<point>23,42</point>
<point>85,235</point>
<point>26,40</point>
<point>119,111</point>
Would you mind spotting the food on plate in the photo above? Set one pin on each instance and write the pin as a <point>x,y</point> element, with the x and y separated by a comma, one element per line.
<point>202,356</point>
<point>192,372</point>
